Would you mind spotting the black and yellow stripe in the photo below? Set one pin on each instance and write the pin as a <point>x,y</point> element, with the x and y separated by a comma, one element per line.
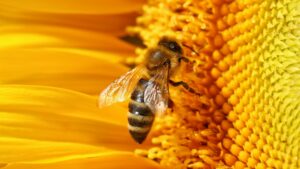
<point>140,116</point>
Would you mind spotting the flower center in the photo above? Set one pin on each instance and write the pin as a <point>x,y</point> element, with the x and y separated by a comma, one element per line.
<point>242,68</point>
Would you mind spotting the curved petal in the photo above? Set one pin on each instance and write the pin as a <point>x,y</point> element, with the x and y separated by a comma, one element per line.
<point>14,150</point>
<point>13,36</point>
<point>107,161</point>
<point>51,114</point>
<point>106,23</point>
<point>76,6</point>
<point>79,70</point>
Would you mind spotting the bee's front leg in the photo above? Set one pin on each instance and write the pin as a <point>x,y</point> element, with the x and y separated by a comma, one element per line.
<point>170,103</point>
<point>184,59</point>
<point>183,84</point>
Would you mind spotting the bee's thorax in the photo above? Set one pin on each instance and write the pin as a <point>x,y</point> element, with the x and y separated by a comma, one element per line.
<point>159,56</point>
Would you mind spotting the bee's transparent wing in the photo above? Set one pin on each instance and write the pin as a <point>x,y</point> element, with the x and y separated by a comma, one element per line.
<point>121,89</point>
<point>156,94</point>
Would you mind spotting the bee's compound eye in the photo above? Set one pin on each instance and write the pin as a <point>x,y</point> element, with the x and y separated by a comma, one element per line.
<point>175,47</point>
<point>171,45</point>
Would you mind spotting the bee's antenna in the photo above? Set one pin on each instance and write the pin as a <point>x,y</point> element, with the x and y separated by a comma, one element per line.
<point>190,48</point>
<point>185,59</point>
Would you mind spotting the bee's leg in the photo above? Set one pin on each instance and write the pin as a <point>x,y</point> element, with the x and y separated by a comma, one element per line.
<point>185,59</point>
<point>185,85</point>
<point>170,103</point>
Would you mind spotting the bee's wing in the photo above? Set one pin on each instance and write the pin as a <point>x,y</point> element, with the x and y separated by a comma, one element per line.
<point>121,89</point>
<point>156,94</point>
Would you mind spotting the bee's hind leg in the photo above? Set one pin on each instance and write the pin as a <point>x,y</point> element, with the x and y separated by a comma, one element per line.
<point>185,85</point>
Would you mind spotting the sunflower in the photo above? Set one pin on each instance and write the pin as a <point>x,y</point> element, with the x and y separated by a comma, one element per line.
<point>56,57</point>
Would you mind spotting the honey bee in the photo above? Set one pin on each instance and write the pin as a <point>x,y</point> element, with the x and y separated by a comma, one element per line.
<point>147,87</point>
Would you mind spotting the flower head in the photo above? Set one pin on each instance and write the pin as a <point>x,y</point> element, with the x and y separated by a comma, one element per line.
<point>245,56</point>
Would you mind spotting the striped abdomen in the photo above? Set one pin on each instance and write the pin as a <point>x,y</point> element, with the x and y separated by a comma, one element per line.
<point>140,116</point>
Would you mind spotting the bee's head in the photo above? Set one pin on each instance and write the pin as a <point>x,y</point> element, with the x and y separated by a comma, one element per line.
<point>171,45</point>
<point>168,51</point>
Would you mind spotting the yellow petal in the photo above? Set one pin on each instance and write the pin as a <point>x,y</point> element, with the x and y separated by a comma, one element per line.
<point>109,23</point>
<point>14,150</point>
<point>105,161</point>
<point>60,37</point>
<point>75,6</point>
<point>53,114</point>
<point>79,70</point>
